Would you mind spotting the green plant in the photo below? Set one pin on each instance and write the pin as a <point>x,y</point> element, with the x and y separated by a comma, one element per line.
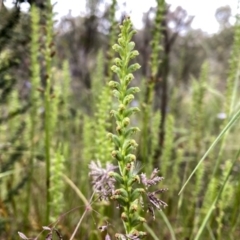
<point>126,193</point>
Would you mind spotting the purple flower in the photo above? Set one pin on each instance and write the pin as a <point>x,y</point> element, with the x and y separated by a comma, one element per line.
<point>154,200</point>
<point>154,179</point>
<point>103,184</point>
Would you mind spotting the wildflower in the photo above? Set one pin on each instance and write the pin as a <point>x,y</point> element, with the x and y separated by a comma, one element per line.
<point>154,179</point>
<point>154,200</point>
<point>103,184</point>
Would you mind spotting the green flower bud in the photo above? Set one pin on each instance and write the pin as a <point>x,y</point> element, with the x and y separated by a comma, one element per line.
<point>133,207</point>
<point>117,155</point>
<point>131,111</point>
<point>133,54</point>
<point>118,62</point>
<point>131,46</point>
<point>130,35</point>
<point>114,84</point>
<point>133,180</point>
<point>133,67</point>
<point>119,129</point>
<point>129,77</point>
<point>142,220</point>
<point>142,234</point>
<point>133,143</point>
<point>117,48</point>
<point>114,113</point>
<point>135,221</point>
<point>133,90</point>
<point>136,193</point>
<point>128,99</point>
<point>124,216</point>
<point>121,41</point>
<point>130,158</point>
<point>121,108</point>
<point>116,176</point>
<point>121,192</point>
<point>115,139</point>
<point>116,69</point>
<point>128,166</point>
<point>127,143</point>
<point>130,131</point>
<point>116,93</point>
<point>120,199</point>
<point>126,122</point>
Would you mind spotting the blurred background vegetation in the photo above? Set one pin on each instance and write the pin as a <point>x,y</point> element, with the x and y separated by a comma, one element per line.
<point>187,113</point>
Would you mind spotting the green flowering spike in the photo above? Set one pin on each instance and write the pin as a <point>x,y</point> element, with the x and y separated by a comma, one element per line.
<point>157,37</point>
<point>57,185</point>
<point>127,195</point>
<point>155,64</point>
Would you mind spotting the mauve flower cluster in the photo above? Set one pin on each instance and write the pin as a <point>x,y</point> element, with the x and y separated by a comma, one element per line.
<point>103,184</point>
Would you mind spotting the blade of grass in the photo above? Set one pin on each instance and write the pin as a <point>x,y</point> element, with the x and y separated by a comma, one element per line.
<point>83,198</point>
<point>165,219</point>
<point>227,127</point>
<point>150,231</point>
<point>210,233</point>
<point>76,189</point>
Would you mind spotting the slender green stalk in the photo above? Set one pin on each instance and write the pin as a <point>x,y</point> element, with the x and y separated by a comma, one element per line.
<point>66,95</point>
<point>34,96</point>
<point>127,195</point>
<point>156,47</point>
<point>57,185</point>
<point>102,146</point>
<point>48,54</point>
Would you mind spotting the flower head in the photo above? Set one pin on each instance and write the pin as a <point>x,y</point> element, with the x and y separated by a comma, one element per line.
<point>154,179</point>
<point>103,184</point>
<point>153,201</point>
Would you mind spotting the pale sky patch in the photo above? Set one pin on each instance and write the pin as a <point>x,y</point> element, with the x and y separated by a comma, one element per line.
<point>204,10</point>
